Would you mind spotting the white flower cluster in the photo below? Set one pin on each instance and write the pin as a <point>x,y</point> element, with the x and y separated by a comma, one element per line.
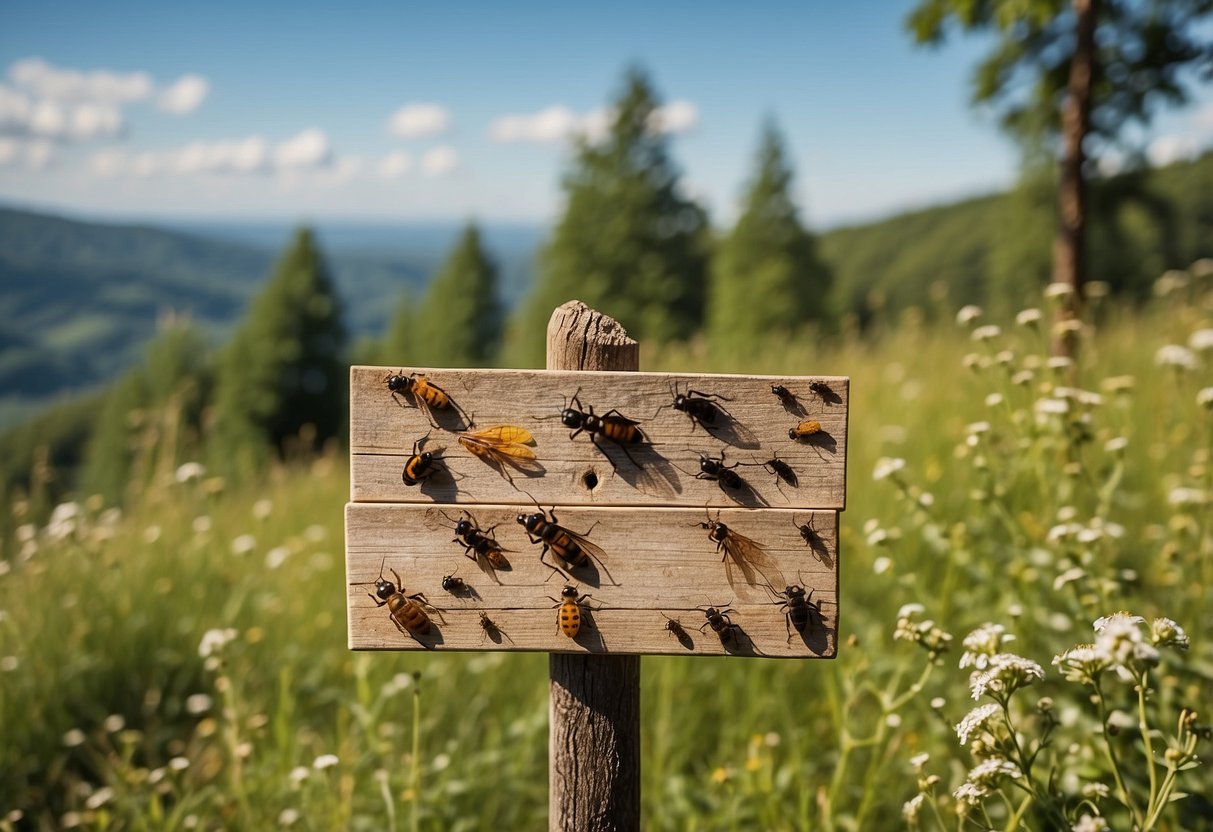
<point>1122,645</point>
<point>213,641</point>
<point>983,643</point>
<point>926,633</point>
<point>1007,673</point>
<point>975,721</point>
<point>983,778</point>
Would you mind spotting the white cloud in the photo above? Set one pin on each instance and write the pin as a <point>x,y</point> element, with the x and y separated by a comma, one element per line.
<point>44,80</point>
<point>558,123</point>
<point>9,148</point>
<point>675,117</point>
<point>414,121</point>
<point>395,165</point>
<point>184,95</point>
<point>94,120</point>
<point>34,155</point>
<point>440,160</point>
<point>249,155</point>
<point>1167,149</point>
<point>308,149</point>
<point>39,154</point>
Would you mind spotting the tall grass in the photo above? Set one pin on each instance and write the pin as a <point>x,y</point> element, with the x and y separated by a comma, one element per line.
<point>184,666</point>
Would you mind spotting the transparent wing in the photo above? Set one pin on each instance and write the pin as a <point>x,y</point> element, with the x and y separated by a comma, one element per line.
<point>749,556</point>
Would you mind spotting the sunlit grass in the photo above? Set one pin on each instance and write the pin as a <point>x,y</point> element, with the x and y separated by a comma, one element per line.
<point>184,666</point>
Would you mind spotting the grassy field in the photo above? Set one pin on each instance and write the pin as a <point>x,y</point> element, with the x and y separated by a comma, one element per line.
<point>183,666</point>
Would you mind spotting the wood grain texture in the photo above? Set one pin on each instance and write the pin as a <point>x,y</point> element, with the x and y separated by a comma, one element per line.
<point>383,429</point>
<point>659,559</point>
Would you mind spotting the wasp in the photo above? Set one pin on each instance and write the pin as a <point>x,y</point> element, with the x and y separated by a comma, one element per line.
<point>502,444</point>
<point>420,465</point>
<point>571,548</point>
<point>812,538</point>
<point>406,611</point>
<point>491,630</point>
<point>722,626</point>
<point>798,609</point>
<point>805,429</point>
<point>711,468</point>
<point>421,391</point>
<point>478,543</point>
<point>741,552</point>
<point>568,620</point>
<point>782,471</point>
<point>612,425</point>
<point>701,408</point>
<point>678,631</point>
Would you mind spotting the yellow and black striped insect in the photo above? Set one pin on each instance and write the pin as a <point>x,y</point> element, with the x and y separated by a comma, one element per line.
<point>675,628</point>
<point>478,544</point>
<point>743,553</point>
<point>812,538</point>
<point>501,445</point>
<point>612,425</point>
<point>421,465</point>
<point>701,408</point>
<point>722,626</point>
<point>569,619</point>
<point>406,611</point>
<point>804,430</point>
<point>423,393</point>
<point>571,548</point>
<point>798,609</point>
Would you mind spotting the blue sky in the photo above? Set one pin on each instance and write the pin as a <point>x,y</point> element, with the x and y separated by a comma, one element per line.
<point>385,112</point>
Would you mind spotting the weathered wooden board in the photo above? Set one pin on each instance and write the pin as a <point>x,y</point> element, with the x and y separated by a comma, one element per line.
<point>658,560</point>
<point>383,429</point>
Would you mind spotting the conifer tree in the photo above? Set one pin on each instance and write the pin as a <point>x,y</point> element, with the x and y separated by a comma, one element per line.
<point>397,344</point>
<point>629,243</point>
<point>284,366</point>
<point>767,277</point>
<point>460,321</point>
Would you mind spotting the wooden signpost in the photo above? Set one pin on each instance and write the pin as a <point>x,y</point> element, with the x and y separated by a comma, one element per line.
<point>726,504</point>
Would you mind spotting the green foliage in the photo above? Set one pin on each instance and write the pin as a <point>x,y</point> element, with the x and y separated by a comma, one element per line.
<point>1142,52</point>
<point>459,325</point>
<point>628,244</point>
<point>397,344</point>
<point>282,377</point>
<point>766,276</point>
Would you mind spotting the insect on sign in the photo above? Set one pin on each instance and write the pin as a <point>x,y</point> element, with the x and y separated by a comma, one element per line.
<point>595,513</point>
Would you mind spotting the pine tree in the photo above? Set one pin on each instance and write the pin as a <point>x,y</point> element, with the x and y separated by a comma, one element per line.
<point>282,375</point>
<point>460,321</point>
<point>397,344</point>
<point>767,277</point>
<point>629,243</point>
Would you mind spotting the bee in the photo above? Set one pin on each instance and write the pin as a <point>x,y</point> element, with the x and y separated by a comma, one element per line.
<point>568,620</point>
<point>782,471</point>
<point>711,468</point>
<point>571,549</point>
<point>722,626</point>
<point>491,630</point>
<point>798,609</point>
<point>419,466</point>
<point>502,444</point>
<point>812,538</point>
<point>611,425</point>
<point>678,631</point>
<point>421,391</point>
<point>785,396</point>
<point>804,430</point>
<point>699,407</point>
<point>743,553</point>
<point>478,543</point>
<point>406,611</point>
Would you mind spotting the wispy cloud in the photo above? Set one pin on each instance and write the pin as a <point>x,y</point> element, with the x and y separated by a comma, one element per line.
<point>395,165</point>
<point>308,150</point>
<point>40,78</point>
<point>34,155</point>
<point>185,95</point>
<point>419,120</point>
<point>439,161</point>
<point>559,123</point>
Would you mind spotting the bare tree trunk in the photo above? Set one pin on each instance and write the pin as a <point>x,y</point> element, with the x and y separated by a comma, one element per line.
<point>594,748</point>
<point>1069,246</point>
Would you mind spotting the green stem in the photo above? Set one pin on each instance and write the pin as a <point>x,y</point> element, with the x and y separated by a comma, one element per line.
<point>1111,753</point>
<point>1144,725</point>
<point>415,769</point>
<point>1013,821</point>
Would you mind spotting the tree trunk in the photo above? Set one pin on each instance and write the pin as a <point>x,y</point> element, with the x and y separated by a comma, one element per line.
<point>1069,246</point>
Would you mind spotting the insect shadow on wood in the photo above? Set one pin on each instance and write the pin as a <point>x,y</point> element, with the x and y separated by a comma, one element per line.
<point>801,614</point>
<point>731,483</point>
<point>500,446</point>
<point>439,408</point>
<point>814,541</point>
<point>824,392</point>
<point>679,632</point>
<point>491,630</point>
<point>706,410</point>
<point>788,399</point>
<point>781,471</point>
<point>733,638</point>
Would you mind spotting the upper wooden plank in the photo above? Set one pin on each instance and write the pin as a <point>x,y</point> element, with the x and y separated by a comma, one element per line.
<point>751,428</point>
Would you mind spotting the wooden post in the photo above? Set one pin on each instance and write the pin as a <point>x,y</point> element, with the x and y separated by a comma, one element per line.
<point>594,747</point>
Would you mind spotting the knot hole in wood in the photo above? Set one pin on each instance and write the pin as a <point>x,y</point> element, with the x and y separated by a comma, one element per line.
<point>590,480</point>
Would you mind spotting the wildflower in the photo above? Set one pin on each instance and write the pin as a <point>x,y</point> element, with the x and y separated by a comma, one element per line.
<point>1056,407</point>
<point>887,466</point>
<point>1173,355</point>
<point>911,808</point>
<point>1058,290</point>
<point>315,533</point>
<point>263,508</point>
<point>969,795</point>
<point>1166,633</point>
<point>978,427</point>
<point>1202,267</point>
<point>244,544</point>
<point>919,760</point>
<point>1116,444</point>
<point>70,820</point>
<point>989,771</point>
<point>976,720</point>
<point>179,764</point>
<point>215,640</point>
<point>927,634</point>
<point>1059,362</point>
<point>882,564</point>
<point>771,739</point>
<point>1028,317</point>
<point>1204,398</point>
<point>1184,496</point>
<point>1023,378</point>
<point>1201,340</point>
<point>1007,673</point>
<point>299,774</point>
<point>1116,619</point>
<point>1074,573</point>
<point>198,703</point>
<point>1119,640</point>
<point>114,723</point>
<point>983,643</point>
<point>720,774</point>
<point>9,663</point>
<point>1004,358</point>
<point>73,738</point>
<point>986,333</point>
<point>325,761</point>
<point>277,556</point>
<point>1093,791</point>
<point>99,798</point>
<point>190,471</point>
<point>288,817</point>
<point>202,524</point>
<point>1090,823</point>
<point>938,703</point>
<point>968,314</point>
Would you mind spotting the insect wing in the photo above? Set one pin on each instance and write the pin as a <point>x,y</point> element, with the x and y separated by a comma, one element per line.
<point>748,556</point>
<point>500,440</point>
<point>588,546</point>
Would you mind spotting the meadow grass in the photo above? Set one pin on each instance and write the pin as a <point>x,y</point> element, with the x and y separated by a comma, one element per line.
<point>183,666</point>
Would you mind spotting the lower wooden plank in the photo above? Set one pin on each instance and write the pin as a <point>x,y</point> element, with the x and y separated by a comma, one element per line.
<point>656,562</point>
